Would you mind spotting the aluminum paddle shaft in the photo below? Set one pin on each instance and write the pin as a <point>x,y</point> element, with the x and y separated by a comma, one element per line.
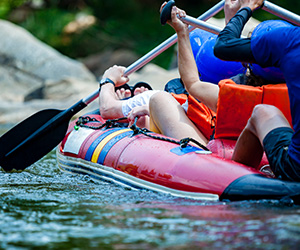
<point>160,48</point>
<point>37,135</point>
<point>268,6</point>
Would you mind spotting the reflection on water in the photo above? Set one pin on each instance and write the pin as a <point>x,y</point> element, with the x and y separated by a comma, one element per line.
<point>44,207</point>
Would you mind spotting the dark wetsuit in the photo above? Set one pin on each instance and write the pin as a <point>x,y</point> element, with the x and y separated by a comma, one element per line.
<point>229,46</point>
<point>280,48</point>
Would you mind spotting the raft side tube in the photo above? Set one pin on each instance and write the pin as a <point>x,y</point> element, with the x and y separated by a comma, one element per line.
<point>100,172</point>
<point>257,187</point>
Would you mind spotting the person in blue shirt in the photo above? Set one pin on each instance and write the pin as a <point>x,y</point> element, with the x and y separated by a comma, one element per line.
<point>267,129</point>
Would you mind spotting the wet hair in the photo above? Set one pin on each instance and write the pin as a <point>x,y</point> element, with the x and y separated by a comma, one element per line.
<point>254,80</point>
<point>249,78</point>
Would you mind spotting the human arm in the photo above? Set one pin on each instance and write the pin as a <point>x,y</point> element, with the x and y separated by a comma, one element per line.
<point>138,112</point>
<point>252,4</point>
<point>229,46</point>
<point>230,9</point>
<point>111,107</point>
<point>141,112</point>
<point>203,91</point>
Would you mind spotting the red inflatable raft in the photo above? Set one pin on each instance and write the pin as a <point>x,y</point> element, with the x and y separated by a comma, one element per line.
<point>133,160</point>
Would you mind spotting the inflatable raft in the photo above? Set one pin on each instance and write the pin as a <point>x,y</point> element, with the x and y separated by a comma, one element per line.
<point>142,159</point>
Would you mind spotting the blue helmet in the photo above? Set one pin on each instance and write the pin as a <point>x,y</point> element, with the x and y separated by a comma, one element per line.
<point>197,38</point>
<point>272,74</point>
<point>213,69</point>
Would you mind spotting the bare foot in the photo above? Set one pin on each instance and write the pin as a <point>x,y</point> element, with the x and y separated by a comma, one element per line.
<point>140,90</point>
<point>123,93</point>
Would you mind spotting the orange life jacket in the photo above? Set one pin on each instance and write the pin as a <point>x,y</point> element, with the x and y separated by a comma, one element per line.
<point>181,98</point>
<point>199,114</point>
<point>236,103</point>
<point>235,106</point>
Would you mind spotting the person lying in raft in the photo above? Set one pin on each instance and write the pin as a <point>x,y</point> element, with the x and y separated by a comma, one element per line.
<point>168,116</point>
<point>172,119</point>
<point>267,129</point>
<point>116,99</point>
<point>115,102</point>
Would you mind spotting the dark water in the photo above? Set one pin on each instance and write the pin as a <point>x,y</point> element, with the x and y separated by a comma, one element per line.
<point>43,207</point>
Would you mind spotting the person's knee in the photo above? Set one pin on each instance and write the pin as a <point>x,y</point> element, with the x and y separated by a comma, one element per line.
<point>265,118</point>
<point>157,100</point>
<point>159,95</point>
<point>259,114</point>
<point>265,112</point>
<point>259,111</point>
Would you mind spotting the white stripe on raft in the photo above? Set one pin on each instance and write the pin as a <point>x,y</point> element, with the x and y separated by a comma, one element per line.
<point>75,140</point>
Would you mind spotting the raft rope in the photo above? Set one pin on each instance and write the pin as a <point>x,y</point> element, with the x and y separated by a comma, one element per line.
<point>113,123</point>
<point>83,120</point>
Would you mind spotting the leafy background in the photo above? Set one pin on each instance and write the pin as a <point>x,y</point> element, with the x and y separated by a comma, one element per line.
<point>119,24</point>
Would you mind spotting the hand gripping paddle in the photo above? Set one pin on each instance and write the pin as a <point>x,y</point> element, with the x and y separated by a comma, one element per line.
<point>37,135</point>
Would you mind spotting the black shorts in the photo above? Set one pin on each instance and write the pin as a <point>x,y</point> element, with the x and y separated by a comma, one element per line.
<point>276,144</point>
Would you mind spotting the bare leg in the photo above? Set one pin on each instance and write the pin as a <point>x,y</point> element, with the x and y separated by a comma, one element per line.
<point>249,149</point>
<point>153,127</point>
<point>170,119</point>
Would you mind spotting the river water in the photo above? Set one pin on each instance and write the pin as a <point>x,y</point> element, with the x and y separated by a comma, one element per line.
<point>43,207</point>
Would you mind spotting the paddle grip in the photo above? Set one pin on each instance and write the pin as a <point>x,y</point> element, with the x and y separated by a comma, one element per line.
<point>165,14</point>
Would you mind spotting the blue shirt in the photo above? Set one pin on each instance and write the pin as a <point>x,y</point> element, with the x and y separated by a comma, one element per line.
<point>281,48</point>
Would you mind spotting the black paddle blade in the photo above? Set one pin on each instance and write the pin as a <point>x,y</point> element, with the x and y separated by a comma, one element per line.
<point>31,139</point>
<point>34,137</point>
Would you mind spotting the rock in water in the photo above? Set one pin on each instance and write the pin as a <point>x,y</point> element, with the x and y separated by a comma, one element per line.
<point>26,64</point>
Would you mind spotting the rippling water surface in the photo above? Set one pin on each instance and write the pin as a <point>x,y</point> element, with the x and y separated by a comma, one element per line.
<point>44,207</point>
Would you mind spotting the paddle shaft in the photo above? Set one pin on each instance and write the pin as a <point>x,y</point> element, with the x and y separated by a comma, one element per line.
<point>37,135</point>
<point>270,7</point>
<point>281,12</point>
<point>141,62</point>
<point>160,48</point>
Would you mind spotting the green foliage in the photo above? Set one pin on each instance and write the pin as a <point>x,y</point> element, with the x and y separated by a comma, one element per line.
<point>131,24</point>
<point>47,25</point>
<point>7,5</point>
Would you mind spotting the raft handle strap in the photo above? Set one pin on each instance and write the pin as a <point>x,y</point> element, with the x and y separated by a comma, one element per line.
<point>83,120</point>
<point>182,143</point>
